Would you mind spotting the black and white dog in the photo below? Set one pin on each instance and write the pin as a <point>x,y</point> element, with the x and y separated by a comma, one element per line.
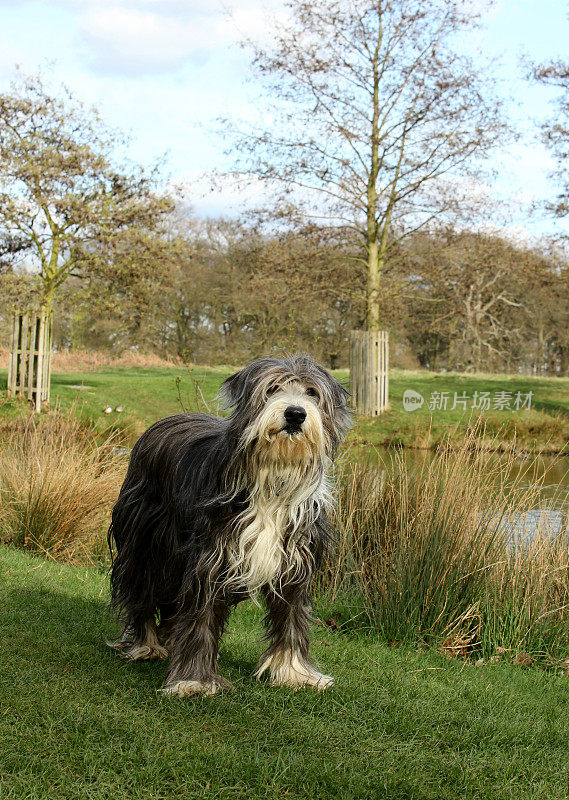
<point>214,510</point>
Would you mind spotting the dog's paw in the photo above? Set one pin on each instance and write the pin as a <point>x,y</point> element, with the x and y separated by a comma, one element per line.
<point>145,652</point>
<point>183,688</point>
<point>139,652</point>
<point>300,680</point>
<point>206,688</point>
<point>292,671</point>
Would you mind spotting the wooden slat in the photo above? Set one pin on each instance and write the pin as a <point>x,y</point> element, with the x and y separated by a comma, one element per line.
<point>386,373</point>
<point>24,360</point>
<point>33,332</point>
<point>350,362</point>
<point>39,363</point>
<point>369,371</point>
<point>378,377</point>
<point>379,373</point>
<point>18,354</point>
<point>12,366</point>
<point>47,359</point>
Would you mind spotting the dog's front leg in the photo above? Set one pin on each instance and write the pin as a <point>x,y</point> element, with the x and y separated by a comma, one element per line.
<point>193,644</point>
<point>288,626</point>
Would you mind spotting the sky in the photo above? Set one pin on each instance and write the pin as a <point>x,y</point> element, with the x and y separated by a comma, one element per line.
<point>165,71</point>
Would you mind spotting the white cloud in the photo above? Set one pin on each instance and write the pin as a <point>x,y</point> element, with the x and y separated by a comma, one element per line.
<point>230,195</point>
<point>146,36</point>
<point>130,40</point>
<point>167,69</point>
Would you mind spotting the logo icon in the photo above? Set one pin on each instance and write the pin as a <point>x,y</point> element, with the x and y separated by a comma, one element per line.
<point>412,400</point>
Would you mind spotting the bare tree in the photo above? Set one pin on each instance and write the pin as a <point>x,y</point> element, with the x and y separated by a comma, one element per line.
<point>556,130</point>
<point>62,199</point>
<point>371,107</point>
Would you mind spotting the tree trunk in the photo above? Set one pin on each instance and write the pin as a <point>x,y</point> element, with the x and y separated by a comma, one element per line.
<point>374,263</point>
<point>373,287</point>
<point>539,350</point>
<point>47,299</point>
<point>562,361</point>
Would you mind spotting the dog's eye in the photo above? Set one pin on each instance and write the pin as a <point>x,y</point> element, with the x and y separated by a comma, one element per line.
<point>313,393</point>
<point>271,390</point>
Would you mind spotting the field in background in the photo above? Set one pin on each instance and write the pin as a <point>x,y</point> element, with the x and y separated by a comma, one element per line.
<point>147,393</point>
<point>400,723</point>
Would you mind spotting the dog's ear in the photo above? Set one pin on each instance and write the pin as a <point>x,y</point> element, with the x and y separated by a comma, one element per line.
<point>338,391</point>
<point>342,415</point>
<point>233,388</point>
<point>238,388</point>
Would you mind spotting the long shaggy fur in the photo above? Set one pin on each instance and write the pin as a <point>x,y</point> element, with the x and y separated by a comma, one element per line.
<point>213,510</point>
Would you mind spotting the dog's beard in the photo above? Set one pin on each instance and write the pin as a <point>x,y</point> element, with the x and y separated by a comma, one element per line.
<point>272,441</point>
<point>286,477</point>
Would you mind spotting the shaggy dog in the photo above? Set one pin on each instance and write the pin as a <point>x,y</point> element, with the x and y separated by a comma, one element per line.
<point>215,510</point>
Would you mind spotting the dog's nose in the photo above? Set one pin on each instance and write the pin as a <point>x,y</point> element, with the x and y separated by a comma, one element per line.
<point>295,415</point>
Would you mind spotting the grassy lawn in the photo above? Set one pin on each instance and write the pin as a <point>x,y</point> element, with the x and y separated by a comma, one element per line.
<point>146,394</point>
<point>77,722</point>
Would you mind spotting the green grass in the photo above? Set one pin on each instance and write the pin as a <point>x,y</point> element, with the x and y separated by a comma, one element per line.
<point>77,722</point>
<point>545,427</point>
<point>147,394</point>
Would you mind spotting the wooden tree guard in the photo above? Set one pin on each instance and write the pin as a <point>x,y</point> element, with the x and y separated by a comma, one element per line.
<point>369,371</point>
<point>29,370</point>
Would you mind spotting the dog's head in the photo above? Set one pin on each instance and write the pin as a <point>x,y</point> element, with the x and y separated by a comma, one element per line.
<point>287,410</point>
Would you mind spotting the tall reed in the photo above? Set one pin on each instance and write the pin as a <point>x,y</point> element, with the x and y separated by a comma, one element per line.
<point>526,602</point>
<point>452,549</point>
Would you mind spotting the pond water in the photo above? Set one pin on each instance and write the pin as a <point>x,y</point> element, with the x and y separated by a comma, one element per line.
<point>549,475</point>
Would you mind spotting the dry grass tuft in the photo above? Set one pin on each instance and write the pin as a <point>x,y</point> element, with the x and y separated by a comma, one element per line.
<point>91,360</point>
<point>57,486</point>
<point>82,360</point>
<point>518,432</point>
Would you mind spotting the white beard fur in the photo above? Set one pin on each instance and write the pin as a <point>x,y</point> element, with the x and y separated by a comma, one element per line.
<point>259,557</point>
